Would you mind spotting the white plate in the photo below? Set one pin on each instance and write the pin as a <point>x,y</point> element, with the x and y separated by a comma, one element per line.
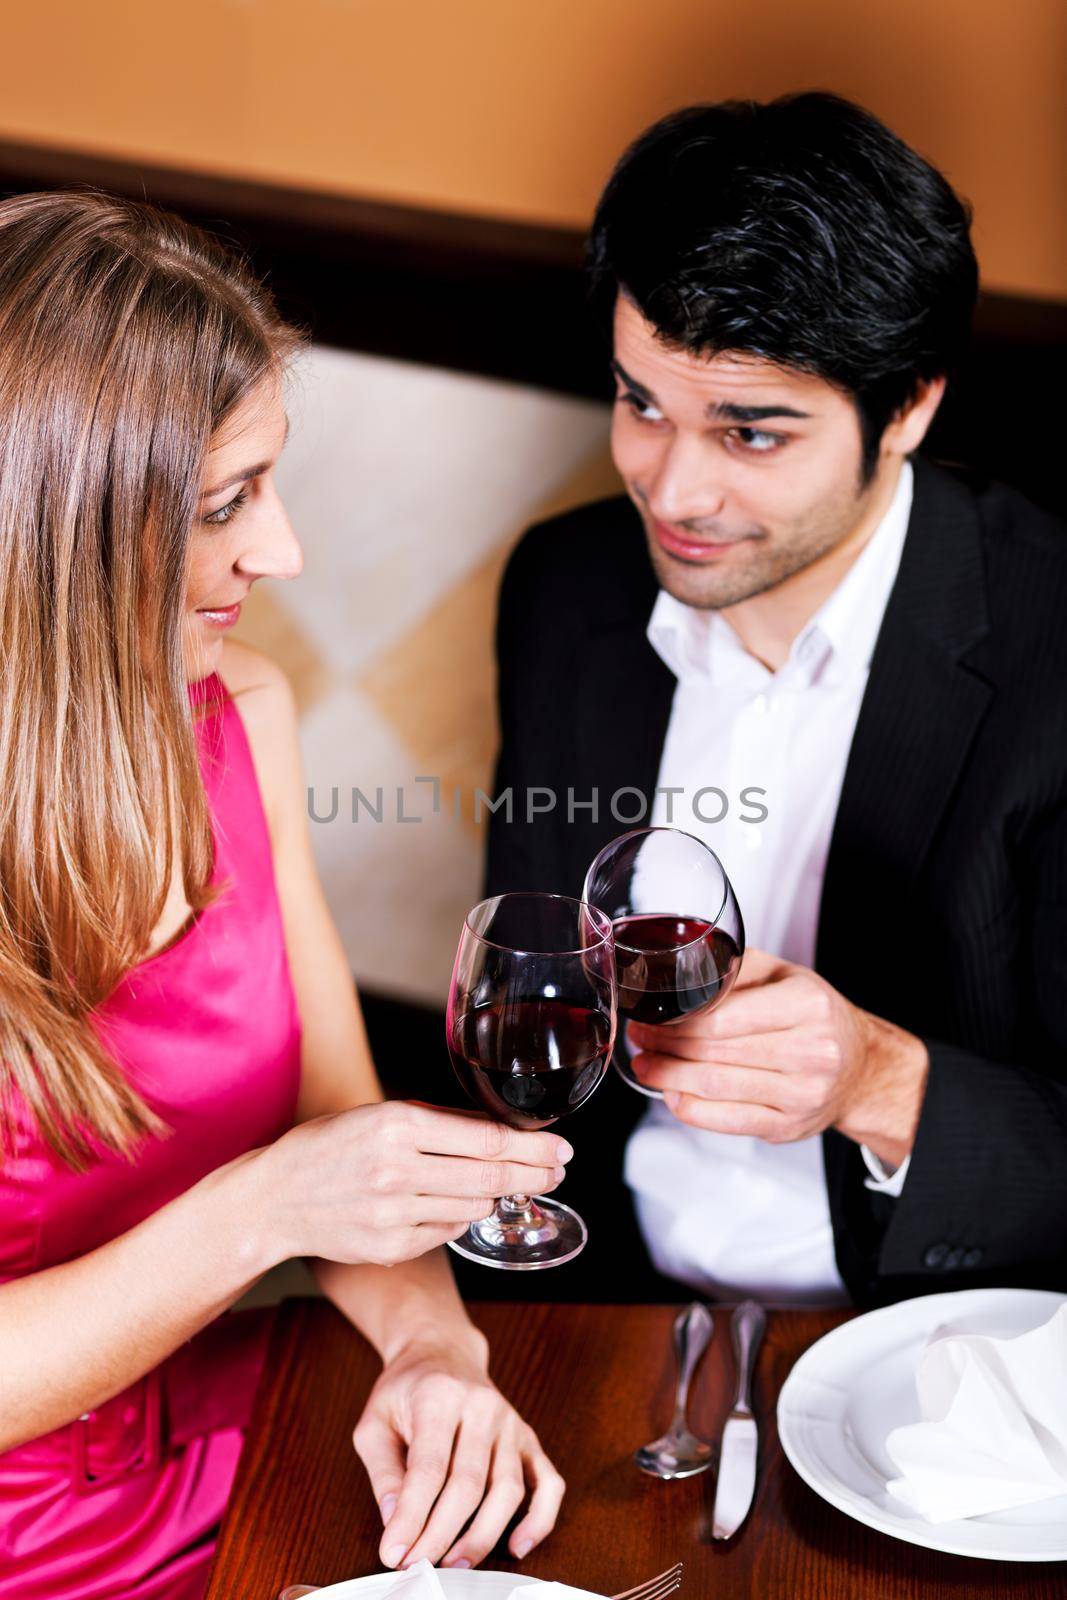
<point>461,1585</point>
<point>847,1393</point>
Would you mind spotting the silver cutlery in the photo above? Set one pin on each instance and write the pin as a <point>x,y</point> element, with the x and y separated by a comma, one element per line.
<point>657,1588</point>
<point>737,1458</point>
<point>679,1453</point>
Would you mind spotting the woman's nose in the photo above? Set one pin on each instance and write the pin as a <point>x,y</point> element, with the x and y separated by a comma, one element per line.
<point>273,549</point>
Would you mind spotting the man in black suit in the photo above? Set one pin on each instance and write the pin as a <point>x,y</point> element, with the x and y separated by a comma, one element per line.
<point>880,1107</point>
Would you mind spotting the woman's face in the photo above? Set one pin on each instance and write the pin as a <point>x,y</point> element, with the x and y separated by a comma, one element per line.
<point>241,531</point>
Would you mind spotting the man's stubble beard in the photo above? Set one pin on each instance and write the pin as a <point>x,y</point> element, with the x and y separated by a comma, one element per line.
<point>768,563</point>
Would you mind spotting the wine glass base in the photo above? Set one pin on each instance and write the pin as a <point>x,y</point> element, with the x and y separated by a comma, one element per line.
<point>626,1074</point>
<point>556,1234</point>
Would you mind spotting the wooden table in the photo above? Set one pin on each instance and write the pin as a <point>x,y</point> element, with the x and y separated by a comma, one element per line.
<point>595,1381</point>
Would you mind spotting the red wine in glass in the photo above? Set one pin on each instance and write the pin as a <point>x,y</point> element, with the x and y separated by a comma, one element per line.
<point>672,967</point>
<point>679,937</point>
<point>530,1029</point>
<point>528,1064</point>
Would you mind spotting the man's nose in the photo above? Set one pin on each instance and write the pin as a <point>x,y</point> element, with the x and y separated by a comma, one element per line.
<point>687,485</point>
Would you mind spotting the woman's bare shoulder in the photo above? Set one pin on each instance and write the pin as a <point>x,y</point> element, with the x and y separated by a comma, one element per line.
<point>259,686</point>
<point>264,700</point>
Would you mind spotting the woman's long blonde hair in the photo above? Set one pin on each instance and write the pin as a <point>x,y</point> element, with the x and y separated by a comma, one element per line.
<point>126,338</point>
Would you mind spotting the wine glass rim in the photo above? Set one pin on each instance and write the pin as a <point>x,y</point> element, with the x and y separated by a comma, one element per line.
<point>659,827</point>
<point>603,922</point>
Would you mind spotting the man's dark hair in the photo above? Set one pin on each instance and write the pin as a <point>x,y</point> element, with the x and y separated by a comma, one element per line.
<point>802,231</point>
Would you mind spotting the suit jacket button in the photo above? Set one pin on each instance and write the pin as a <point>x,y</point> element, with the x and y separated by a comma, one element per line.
<point>935,1255</point>
<point>953,1260</point>
<point>973,1257</point>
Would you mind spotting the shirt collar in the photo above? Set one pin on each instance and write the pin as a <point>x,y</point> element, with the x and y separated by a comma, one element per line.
<point>836,643</point>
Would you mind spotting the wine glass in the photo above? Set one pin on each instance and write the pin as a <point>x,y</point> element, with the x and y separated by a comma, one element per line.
<point>679,937</point>
<point>530,1029</point>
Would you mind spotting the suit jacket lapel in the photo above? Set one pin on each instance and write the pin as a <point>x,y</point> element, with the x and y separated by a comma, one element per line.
<point>622,700</point>
<point>919,716</point>
<point>623,706</point>
<point>920,713</point>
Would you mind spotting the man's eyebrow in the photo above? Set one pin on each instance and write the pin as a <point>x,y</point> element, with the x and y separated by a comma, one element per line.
<point>242,477</point>
<point>632,383</point>
<point>725,411</point>
<point>720,411</point>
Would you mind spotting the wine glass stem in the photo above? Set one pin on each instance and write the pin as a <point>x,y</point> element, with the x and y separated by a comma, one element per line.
<point>520,1218</point>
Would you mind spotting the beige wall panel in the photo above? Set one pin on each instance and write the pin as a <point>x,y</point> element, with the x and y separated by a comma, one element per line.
<point>408,486</point>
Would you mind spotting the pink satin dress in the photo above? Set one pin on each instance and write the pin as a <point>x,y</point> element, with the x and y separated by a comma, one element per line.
<point>125,1501</point>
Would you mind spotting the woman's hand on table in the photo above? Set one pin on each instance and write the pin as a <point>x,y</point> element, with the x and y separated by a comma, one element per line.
<point>441,1446</point>
<point>385,1183</point>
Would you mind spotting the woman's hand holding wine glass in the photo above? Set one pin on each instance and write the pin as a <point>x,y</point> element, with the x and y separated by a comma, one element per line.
<point>385,1183</point>
<point>530,1029</point>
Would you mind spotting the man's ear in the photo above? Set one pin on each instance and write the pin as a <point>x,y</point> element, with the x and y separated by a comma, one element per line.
<point>907,430</point>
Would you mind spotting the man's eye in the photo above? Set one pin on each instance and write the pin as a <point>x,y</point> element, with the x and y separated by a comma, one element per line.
<point>640,408</point>
<point>756,441</point>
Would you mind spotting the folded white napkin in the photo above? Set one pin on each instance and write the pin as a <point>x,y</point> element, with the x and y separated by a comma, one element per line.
<point>993,1433</point>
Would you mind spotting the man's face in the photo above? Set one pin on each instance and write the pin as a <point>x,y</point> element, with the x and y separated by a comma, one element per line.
<point>743,472</point>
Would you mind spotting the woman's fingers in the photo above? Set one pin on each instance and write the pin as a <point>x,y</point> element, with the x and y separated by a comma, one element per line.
<point>381,1451</point>
<point>455,1175</point>
<point>458,1133</point>
<point>465,1489</point>
<point>435,1419</point>
<point>545,1501</point>
<point>507,1490</point>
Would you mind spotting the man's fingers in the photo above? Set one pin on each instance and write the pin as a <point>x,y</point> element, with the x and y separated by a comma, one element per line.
<point>545,1501</point>
<point>462,1493</point>
<point>759,967</point>
<point>429,1455</point>
<point>717,1080</point>
<point>381,1451</point>
<point>769,1008</point>
<point>725,1116</point>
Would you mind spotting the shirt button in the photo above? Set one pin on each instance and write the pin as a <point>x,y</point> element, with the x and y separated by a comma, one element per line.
<point>130,1415</point>
<point>761,705</point>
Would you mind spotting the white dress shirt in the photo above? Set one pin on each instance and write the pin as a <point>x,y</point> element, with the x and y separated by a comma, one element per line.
<point>725,1213</point>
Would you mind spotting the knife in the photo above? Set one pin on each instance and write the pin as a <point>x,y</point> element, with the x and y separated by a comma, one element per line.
<point>737,1459</point>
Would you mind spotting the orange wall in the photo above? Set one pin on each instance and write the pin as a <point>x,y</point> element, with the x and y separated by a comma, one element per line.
<point>517,107</point>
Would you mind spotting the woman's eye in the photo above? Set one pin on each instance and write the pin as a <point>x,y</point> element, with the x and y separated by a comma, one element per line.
<point>230,509</point>
<point>756,441</point>
<point>641,408</point>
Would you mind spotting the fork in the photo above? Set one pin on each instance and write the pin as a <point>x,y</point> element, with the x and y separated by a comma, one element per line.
<point>657,1588</point>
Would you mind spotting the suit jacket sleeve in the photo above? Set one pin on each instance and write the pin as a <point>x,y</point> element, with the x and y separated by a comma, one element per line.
<point>986,1191</point>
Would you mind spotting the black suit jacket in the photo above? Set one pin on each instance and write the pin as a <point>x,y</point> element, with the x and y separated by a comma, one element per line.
<point>944,904</point>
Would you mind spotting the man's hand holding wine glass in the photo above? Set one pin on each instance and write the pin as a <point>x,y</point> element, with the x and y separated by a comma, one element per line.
<point>786,1056</point>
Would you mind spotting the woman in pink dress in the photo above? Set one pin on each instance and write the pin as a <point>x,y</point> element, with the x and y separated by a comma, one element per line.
<point>186,1090</point>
